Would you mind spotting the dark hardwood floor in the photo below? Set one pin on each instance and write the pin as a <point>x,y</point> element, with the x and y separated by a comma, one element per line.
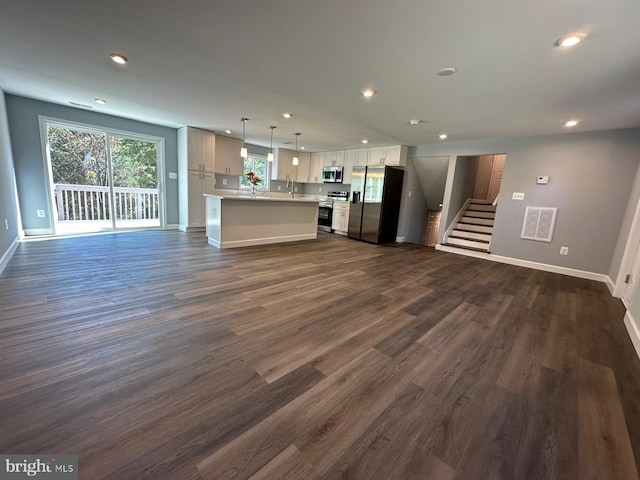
<point>153,355</point>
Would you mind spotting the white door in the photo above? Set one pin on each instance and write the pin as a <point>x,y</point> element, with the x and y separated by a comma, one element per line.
<point>496,177</point>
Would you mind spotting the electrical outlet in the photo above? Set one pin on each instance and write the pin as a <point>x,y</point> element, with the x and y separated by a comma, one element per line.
<point>173,176</point>
<point>319,189</point>
<point>279,188</point>
<point>517,196</point>
<point>6,224</point>
<point>224,181</point>
<point>40,213</point>
<point>409,193</point>
<point>564,250</point>
<point>295,189</point>
<point>542,180</point>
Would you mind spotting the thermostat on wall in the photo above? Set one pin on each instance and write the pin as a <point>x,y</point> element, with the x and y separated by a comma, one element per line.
<point>542,180</point>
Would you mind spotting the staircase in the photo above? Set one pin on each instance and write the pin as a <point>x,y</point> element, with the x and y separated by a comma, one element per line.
<point>472,229</point>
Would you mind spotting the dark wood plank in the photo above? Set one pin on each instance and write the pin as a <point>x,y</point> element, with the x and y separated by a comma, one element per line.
<point>153,355</point>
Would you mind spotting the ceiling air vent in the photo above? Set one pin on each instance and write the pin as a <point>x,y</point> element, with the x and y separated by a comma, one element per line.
<point>538,223</point>
<point>81,105</point>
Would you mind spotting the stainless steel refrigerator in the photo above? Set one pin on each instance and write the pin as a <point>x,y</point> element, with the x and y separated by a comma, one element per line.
<point>376,193</point>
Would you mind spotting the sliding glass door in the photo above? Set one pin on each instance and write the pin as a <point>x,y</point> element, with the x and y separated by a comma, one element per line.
<point>101,180</point>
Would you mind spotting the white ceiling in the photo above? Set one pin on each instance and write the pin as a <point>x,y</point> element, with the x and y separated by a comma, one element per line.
<point>209,63</point>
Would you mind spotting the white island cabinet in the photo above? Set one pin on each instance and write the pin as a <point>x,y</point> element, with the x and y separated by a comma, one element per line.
<point>241,221</point>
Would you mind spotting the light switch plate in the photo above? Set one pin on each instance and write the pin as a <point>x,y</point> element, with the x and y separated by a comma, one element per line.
<point>40,213</point>
<point>542,180</point>
<point>564,250</point>
<point>517,196</point>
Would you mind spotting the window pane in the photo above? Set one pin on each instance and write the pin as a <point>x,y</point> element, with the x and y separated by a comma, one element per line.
<point>259,166</point>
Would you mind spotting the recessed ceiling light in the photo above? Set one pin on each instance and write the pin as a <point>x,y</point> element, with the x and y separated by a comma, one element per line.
<point>364,140</point>
<point>101,101</point>
<point>368,92</point>
<point>227,131</point>
<point>442,136</point>
<point>571,123</point>
<point>287,115</point>
<point>415,122</point>
<point>303,148</point>
<point>121,59</point>
<point>570,40</point>
<point>445,72</point>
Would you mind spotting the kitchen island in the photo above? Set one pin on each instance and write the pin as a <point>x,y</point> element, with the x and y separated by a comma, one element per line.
<point>240,221</point>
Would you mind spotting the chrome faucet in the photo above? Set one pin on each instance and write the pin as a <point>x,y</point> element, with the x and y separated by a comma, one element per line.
<point>290,180</point>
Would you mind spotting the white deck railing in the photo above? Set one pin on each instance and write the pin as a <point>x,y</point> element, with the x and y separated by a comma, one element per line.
<point>90,202</point>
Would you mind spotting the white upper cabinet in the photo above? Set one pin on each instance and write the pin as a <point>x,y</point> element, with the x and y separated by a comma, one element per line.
<point>315,170</point>
<point>227,156</point>
<point>200,150</point>
<point>393,155</point>
<point>334,159</point>
<point>353,158</point>
<point>304,167</point>
<point>376,156</point>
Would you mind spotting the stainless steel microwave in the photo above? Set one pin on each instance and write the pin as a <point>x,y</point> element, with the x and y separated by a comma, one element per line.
<point>332,174</point>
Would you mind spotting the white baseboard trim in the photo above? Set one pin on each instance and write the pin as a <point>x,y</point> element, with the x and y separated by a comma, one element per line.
<point>172,226</point>
<point>610,285</point>
<point>634,331</point>
<point>38,231</point>
<point>6,256</point>
<point>572,272</point>
<point>183,228</point>
<point>261,241</point>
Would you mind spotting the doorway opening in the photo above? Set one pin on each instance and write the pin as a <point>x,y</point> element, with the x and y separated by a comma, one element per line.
<point>488,176</point>
<point>103,180</point>
<point>471,209</point>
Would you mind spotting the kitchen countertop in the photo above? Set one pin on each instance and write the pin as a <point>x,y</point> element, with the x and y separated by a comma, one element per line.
<point>263,198</point>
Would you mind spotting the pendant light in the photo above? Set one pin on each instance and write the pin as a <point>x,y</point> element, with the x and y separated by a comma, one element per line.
<point>270,154</point>
<point>243,150</point>
<point>295,157</point>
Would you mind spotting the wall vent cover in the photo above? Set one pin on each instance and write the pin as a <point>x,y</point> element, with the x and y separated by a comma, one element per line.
<point>538,223</point>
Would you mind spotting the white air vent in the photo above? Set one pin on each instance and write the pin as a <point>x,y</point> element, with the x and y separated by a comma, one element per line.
<point>538,223</point>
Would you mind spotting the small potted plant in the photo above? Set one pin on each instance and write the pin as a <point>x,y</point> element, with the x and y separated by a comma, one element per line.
<point>254,180</point>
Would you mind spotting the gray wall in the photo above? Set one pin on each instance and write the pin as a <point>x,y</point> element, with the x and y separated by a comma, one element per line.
<point>461,185</point>
<point>432,175</point>
<point>8,206</point>
<point>412,208</point>
<point>30,165</point>
<point>591,175</point>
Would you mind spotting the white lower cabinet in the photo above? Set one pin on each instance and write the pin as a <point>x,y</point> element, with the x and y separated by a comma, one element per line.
<point>340,221</point>
<point>199,184</point>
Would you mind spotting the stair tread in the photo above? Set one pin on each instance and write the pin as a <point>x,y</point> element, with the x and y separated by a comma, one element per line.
<point>479,214</point>
<point>483,250</point>
<point>466,241</point>
<point>481,236</point>
<point>472,227</point>
<point>477,221</point>
<point>482,208</point>
<point>470,239</point>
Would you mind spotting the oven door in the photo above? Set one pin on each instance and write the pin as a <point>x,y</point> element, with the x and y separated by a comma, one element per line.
<point>325,217</point>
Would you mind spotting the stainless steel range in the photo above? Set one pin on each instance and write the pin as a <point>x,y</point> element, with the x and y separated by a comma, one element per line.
<point>325,209</point>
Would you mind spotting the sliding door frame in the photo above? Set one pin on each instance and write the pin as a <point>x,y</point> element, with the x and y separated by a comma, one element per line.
<point>44,123</point>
